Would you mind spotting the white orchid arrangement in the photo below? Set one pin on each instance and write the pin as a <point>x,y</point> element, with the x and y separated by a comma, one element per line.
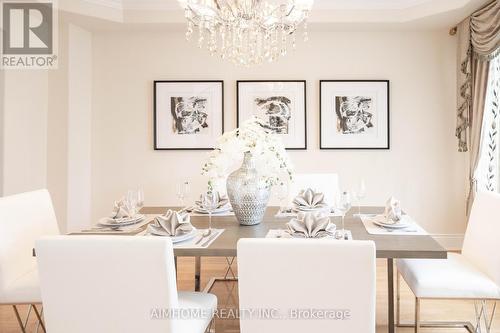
<point>270,157</point>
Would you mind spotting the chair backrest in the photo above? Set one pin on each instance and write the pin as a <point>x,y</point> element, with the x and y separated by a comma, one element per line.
<point>23,218</point>
<point>481,242</point>
<point>328,183</point>
<point>106,283</point>
<point>280,277</point>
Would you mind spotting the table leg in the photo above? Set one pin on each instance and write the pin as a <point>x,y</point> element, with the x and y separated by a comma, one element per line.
<point>197,273</point>
<point>390,292</point>
<point>175,265</point>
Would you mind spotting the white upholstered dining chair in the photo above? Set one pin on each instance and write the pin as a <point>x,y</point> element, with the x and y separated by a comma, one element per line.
<point>23,218</point>
<point>327,183</point>
<point>116,284</point>
<point>281,281</point>
<point>473,275</point>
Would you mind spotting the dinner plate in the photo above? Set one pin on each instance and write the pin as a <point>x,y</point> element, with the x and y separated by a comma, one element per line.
<point>399,225</point>
<point>110,222</point>
<point>216,211</point>
<point>180,238</point>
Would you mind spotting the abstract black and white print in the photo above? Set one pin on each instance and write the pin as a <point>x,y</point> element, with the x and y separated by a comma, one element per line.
<point>277,111</point>
<point>354,114</point>
<point>189,114</point>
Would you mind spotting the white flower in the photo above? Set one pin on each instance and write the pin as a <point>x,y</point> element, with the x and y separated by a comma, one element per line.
<point>272,162</point>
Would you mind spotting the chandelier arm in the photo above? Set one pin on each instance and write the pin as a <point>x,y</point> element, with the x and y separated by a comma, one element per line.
<point>225,4</point>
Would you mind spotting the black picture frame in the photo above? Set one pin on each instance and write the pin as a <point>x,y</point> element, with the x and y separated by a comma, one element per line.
<point>155,110</point>
<point>304,82</point>
<point>388,102</point>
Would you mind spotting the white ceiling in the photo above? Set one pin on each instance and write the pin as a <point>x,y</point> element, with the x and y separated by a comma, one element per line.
<point>415,14</point>
<point>318,4</point>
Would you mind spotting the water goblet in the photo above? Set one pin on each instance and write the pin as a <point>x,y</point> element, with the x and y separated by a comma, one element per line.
<point>360,194</point>
<point>345,205</point>
<point>182,190</point>
<point>209,201</point>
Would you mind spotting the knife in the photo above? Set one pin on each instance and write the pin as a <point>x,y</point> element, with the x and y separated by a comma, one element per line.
<point>210,239</point>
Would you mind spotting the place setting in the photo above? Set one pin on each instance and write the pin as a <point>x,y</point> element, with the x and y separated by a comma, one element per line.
<point>124,218</point>
<point>177,226</point>
<point>210,203</point>
<point>308,200</point>
<point>392,222</point>
<point>310,225</point>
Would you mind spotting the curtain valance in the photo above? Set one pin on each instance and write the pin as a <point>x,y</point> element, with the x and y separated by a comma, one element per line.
<point>485,31</point>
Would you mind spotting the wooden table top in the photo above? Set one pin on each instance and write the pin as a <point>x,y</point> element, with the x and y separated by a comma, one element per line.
<point>388,246</point>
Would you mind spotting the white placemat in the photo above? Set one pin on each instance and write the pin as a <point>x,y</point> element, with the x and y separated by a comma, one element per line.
<point>195,243</point>
<point>228,213</point>
<point>192,243</point>
<point>280,214</point>
<point>373,229</point>
<point>281,233</point>
<point>130,229</point>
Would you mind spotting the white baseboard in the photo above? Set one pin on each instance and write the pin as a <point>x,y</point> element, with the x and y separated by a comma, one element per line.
<point>451,242</point>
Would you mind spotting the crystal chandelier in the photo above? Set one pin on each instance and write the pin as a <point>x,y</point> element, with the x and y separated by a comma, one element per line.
<point>246,32</point>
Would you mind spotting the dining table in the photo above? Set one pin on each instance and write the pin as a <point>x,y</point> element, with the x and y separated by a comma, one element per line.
<point>388,246</point>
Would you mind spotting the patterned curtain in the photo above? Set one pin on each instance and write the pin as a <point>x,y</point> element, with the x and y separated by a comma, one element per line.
<point>478,40</point>
<point>479,44</point>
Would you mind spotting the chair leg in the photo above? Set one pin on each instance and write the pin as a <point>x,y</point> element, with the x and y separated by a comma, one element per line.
<point>398,299</point>
<point>39,317</point>
<point>417,315</point>
<point>211,327</point>
<point>492,315</point>
<point>19,320</point>
<point>479,315</point>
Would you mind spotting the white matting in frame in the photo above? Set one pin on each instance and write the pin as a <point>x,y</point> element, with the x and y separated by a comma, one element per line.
<point>354,114</point>
<point>188,114</point>
<point>281,104</point>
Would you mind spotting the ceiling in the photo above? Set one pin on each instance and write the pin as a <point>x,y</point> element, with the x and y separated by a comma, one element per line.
<point>413,14</point>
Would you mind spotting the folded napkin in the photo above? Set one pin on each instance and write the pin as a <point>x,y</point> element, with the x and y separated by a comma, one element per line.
<point>310,199</point>
<point>122,210</point>
<point>392,212</point>
<point>171,224</point>
<point>221,201</point>
<point>309,225</point>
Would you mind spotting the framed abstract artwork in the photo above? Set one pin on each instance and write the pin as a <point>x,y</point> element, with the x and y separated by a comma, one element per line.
<point>354,114</point>
<point>188,115</point>
<point>281,104</point>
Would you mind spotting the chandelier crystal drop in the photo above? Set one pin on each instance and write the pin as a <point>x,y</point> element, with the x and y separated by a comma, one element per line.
<point>246,32</point>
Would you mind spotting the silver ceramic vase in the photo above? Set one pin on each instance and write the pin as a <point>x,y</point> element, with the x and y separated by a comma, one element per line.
<point>248,199</point>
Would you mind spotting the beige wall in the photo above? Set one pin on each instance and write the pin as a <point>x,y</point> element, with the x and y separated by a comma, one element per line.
<point>79,131</point>
<point>2,132</point>
<point>57,133</point>
<point>422,168</point>
<point>24,131</point>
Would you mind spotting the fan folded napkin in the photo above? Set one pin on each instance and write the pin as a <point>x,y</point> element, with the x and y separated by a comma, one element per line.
<point>309,225</point>
<point>171,224</point>
<point>392,213</point>
<point>221,202</point>
<point>309,199</point>
<point>122,210</point>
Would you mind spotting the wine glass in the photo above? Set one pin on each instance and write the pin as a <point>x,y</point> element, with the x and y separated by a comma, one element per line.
<point>182,190</point>
<point>360,194</point>
<point>131,201</point>
<point>209,201</point>
<point>345,205</point>
<point>140,198</point>
<point>283,193</point>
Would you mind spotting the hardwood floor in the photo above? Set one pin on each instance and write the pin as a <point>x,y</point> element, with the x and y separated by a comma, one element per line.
<point>227,293</point>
